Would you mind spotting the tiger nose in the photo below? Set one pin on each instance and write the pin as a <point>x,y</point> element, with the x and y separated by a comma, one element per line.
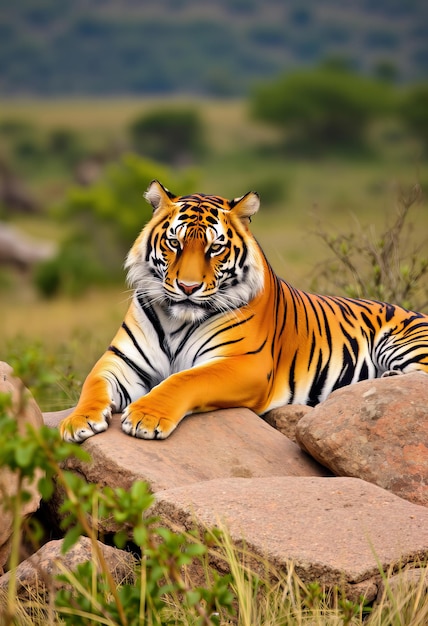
<point>188,288</point>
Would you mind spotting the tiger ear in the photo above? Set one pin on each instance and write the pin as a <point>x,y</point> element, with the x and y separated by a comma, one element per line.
<point>245,206</point>
<point>158,195</point>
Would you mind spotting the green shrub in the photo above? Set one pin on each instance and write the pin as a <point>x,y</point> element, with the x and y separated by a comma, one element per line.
<point>73,270</point>
<point>414,112</point>
<point>15,127</point>
<point>174,136</point>
<point>65,144</point>
<point>321,110</point>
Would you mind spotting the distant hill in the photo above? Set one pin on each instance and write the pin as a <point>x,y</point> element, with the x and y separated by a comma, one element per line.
<point>212,47</point>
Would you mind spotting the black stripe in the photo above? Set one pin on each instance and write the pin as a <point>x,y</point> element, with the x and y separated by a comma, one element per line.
<point>154,320</point>
<point>219,332</point>
<point>352,341</point>
<point>312,350</point>
<point>312,300</point>
<point>348,370</point>
<point>136,344</point>
<point>292,378</point>
<point>368,323</point>
<point>364,372</point>
<point>123,392</point>
<point>318,382</point>
<point>145,378</point>
<point>259,349</point>
<point>225,343</point>
<point>185,338</point>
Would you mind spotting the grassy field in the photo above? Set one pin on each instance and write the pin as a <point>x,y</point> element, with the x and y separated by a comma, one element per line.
<point>333,194</point>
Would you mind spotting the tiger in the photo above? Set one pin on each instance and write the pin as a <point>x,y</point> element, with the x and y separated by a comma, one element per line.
<point>211,326</point>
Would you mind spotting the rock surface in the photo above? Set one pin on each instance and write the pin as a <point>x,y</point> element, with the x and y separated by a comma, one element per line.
<point>376,430</point>
<point>285,418</point>
<point>38,572</point>
<point>26,411</point>
<point>334,530</point>
<point>399,585</point>
<point>220,444</point>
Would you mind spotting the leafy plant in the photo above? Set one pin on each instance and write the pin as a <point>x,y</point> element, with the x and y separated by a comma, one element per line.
<point>164,553</point>
<point>51,377</point>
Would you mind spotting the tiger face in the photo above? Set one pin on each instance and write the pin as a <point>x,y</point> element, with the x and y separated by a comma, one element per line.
<point>196,256</point>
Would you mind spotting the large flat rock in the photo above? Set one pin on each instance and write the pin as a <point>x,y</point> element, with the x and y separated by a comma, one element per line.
<point>219,444</point>
<point>334,530</point>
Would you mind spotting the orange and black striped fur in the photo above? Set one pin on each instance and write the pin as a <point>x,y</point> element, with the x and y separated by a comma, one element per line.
<point>212,326</point>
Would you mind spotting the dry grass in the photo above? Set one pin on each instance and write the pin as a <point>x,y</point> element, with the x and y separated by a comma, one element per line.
<point>97,314</point>
<point>265,596</point>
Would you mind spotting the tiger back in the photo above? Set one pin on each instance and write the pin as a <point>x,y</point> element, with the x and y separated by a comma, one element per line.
<point>211,326</point>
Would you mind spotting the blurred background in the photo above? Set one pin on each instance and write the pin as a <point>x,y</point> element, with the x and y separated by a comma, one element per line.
<point>319,105</point>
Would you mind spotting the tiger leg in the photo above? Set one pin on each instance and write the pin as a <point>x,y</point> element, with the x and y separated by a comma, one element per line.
<point>100,396</point>
<point>92,414</point>
<point>224,384</point>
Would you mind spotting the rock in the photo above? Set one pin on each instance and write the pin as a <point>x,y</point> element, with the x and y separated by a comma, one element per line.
<point>376,430</point>
<point>20,251</point>
<point>14,194</point>
<point>26,411</point>
<point>38,571</point>
<point>23,404</point>
<point>399,586</point>
<point>88,171</point>
<point>220,444</point>
<point>334,530</point>
<point>285,418</point>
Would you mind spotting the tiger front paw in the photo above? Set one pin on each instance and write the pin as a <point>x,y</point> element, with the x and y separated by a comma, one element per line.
<point>81,425</point>
<point>145,426</point>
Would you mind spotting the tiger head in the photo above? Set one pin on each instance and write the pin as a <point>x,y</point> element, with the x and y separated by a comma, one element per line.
<point>196,256</point>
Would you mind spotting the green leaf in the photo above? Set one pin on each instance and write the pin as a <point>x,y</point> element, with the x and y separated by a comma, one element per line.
<point>71,537</point>
<point>196,549</point>
<point>120,539</point>
<point>46,487</point>
<point>140,535</point>
<point>193,597</point>
<point>24,453</point>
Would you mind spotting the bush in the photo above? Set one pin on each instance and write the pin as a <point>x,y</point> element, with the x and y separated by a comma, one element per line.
<point>65,144</point>
<point>321,110</point>
<point>75,268</point>
<point>172,136</point>
<point>414,112</point>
